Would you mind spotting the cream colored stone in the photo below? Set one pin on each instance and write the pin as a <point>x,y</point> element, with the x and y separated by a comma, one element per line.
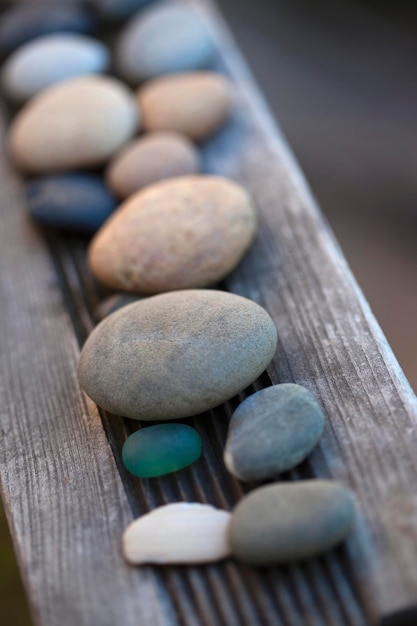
<point>176,234</point>
<point>77,124</point>
<point>152,157</point>
<point>195,103</point>
<point>178,533</point>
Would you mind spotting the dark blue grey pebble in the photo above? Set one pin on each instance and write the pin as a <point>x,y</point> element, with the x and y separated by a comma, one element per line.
<point>119,9</point>
<point>27,21</point>
<point>78,202</point>
<point>272,431</point>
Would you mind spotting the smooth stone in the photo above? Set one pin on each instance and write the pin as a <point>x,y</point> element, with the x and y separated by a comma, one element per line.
<point>152,157</point>
<point>114,303</point>
<point>49,60</point>
<point>119,9</point>
<point>80,202</point>
<point>196,104</point>
<point>24,22</point>
<point>163,39</point>
<point>272,431</point>
<point>77,124</point>
<point>161,449</point>
<point>176,354</point>
<point>290,522</point>
<point>182,532</point>
<point>179,233</point>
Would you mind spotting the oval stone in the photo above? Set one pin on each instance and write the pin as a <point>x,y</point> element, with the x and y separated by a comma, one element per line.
<point>289,522</point>
<point>196,104</point>
<point>272,431</point>
<point>163,39</point>
<point>176,234</point>
<point>114,303</point>
<point>161,449</point>
<point>77,124</point>
<point>176,354</point>
<point>181,532</point>
<point>152,157</point>
<point>76,201</point>
<point>27,21</point>
<point>49,60</point>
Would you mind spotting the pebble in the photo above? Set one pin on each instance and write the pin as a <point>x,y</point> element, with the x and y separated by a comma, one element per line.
<point>272,431</point>
<point>119,9</point>
<point>161,449</point>
<point>51,59</point>
<point>176,354</point>
<point>114,303</point>
<point>182,532</point>
<point>196,104</point>
<point>74,201</point>
<point>290,522</point>
<point>27,21</point>
<point>176,234</point>
<point>77,124</point>
<point>152,157</point>
<point>163,39</point>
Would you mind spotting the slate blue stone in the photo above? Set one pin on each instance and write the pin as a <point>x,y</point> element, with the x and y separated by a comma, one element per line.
<point>26,21</point>
<point>272,431</point>
<point>75,202</point>
<point>119,9</point>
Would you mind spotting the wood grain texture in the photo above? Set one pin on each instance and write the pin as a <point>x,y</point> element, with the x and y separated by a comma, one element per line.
<point>330,343</point>
<point>67,495</point>
<point>65,500</point>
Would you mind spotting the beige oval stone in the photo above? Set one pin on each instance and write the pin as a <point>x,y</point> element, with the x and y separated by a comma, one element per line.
<point>180,233</point>
<point>176,354</point>
<point>79,123</point>
<point>152,157</point>
<point>196,103</point>
<point>181,532</point>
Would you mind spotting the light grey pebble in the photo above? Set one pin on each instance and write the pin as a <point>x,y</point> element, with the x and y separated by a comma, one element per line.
<point>51,59</point>
<point>272,431</point>
<point>176,354</point>
<point>290,522</point>
<point>163,39</point>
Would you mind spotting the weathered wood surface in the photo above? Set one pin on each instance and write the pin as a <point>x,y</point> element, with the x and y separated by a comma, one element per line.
<point>66,493</point>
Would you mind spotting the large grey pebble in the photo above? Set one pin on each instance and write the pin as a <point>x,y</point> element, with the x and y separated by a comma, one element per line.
<point>49,60</point>
<point>163,39</point>
<point>176,354</point>
<point>272,431</point>
<point>288,522</point>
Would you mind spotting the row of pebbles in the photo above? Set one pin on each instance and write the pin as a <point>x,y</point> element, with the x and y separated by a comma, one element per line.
<point>165,230</point>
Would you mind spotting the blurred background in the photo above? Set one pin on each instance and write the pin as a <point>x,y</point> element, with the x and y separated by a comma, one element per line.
<point>340,77</point>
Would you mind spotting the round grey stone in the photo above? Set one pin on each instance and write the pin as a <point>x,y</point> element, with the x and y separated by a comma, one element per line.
<point>290,522</point>
<point>176,354</point>
<point>272,431</point>
<point>163,39</point>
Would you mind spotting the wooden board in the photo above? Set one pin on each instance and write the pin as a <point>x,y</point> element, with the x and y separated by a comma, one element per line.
<point>66,493</point>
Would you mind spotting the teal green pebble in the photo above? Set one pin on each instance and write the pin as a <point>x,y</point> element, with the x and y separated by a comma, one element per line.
<point>161,449</point>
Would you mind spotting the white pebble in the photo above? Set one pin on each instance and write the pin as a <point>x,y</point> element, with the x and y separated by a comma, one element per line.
<point>178,533</point>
